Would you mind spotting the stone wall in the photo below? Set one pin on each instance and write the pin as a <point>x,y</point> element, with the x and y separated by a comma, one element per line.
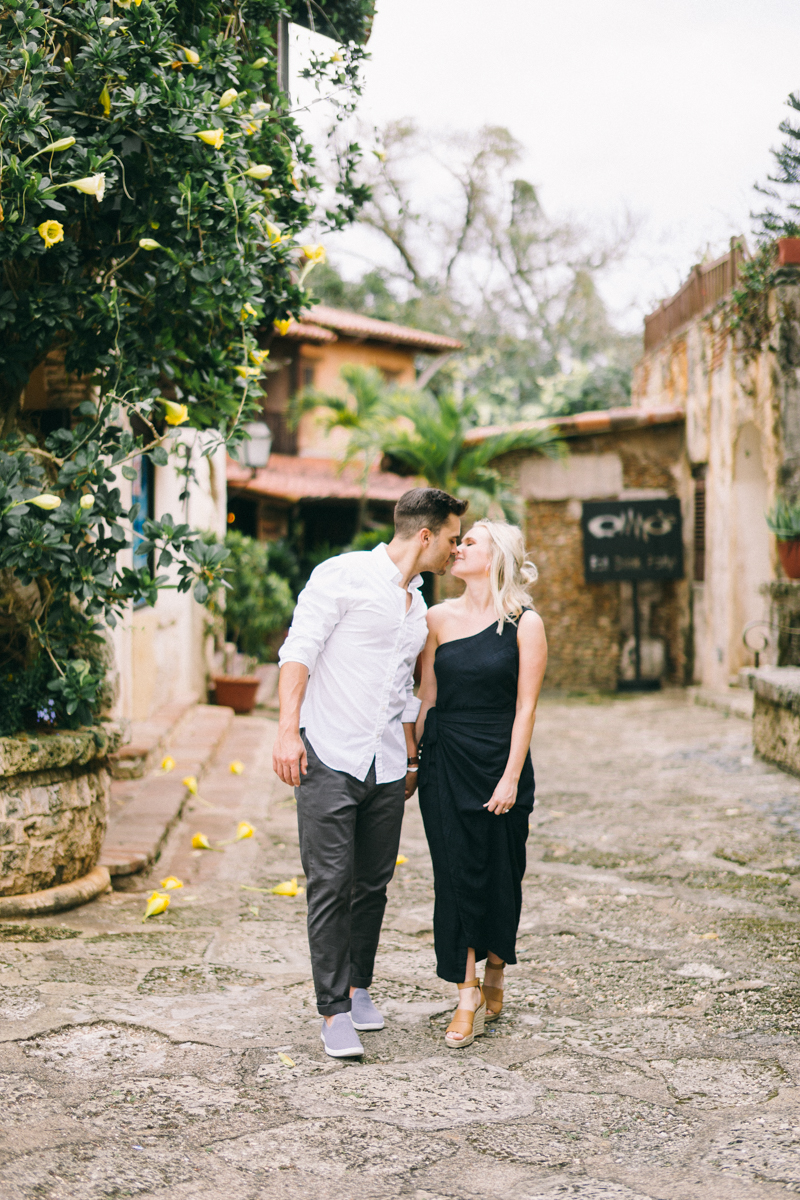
<point>54,793</point>
<point>587,624</point>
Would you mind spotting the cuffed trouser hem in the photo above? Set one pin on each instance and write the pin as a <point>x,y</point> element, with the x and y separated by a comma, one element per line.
<point>337,1006</point>
<point>361,981</point>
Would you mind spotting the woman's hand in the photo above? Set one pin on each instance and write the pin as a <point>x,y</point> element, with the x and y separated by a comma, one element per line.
<point>503,798</point>
<point>411,783</point>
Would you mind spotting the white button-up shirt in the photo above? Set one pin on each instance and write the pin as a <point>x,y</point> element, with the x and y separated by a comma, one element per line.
<point>352,631</point>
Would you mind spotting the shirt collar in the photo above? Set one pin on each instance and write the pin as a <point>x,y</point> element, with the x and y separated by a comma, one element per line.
<point>390,570</point>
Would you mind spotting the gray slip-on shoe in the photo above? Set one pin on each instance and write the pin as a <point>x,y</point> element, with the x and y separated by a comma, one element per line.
<point>364,1014</point>
<point>339,1038</point>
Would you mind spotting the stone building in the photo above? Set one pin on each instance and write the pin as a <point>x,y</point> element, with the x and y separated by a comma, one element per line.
<point>304,482</point>
<point>619,454</point>
<point>742,448</point>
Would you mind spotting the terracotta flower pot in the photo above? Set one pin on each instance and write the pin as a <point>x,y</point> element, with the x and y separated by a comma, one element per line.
<point>789,554</point>
<point>237,691</point>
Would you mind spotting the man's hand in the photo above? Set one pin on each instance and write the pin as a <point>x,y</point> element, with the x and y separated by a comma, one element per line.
<point>411,783</point>
<point>289,758</point>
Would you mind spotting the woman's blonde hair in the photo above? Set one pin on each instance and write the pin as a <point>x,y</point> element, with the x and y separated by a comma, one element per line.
<point>511,572</point>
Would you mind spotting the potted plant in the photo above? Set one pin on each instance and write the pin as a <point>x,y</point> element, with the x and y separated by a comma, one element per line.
<point>237,691</point>
<point>784,521</point>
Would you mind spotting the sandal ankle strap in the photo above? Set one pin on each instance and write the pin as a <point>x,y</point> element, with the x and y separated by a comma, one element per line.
<point>469,983</point>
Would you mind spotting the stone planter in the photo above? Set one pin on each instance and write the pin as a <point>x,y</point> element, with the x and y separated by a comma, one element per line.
<point>54,793</point>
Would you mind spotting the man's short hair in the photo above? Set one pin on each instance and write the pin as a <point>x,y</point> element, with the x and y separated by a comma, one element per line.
<point>425,508</point>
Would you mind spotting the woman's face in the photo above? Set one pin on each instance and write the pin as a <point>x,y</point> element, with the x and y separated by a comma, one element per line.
<point>474,555</point>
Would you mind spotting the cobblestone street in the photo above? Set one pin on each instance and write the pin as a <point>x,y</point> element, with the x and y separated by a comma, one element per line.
<point>650,1048</point>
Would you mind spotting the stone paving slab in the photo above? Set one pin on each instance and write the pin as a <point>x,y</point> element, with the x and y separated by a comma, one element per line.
<point>144,810</point>
<point>649,1049</point>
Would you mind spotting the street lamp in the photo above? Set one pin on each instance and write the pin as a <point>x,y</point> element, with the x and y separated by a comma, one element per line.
<point>255,452</point>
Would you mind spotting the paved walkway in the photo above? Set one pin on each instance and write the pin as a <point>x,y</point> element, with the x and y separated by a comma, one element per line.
<point>650,1051</point>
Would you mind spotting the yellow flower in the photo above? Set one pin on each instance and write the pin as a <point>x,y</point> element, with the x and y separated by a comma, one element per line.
<point>243,830</point>
<point>105,99</point>
<point>212,137</point>
<point>191,56</point>
<point>92,185</point>
<point>51,232</point>
<point>314,254</point>
<point>45,501</point>
<point>401,858</point>
<point>252,128</point>
<point>248,311</point>
<point>175,414</point>
<point>248,372</point>
<point>259,63</point>
<point>287,888</point>
<point>273,233</point>
<point>227,98</point>
<point>259,357</point>
<point>150,244</point>
<point>236,767</point>
<point>259,171</point>
<point>259,109</point>
<point>168,763</point>
<point>284,326</point>
<point>201,842</point>
<point>170,883</point>
<point>380,155</point>
<point>156,903</point>
<point>336,57</point>
<point>86,502</point>
<point>190,783</point>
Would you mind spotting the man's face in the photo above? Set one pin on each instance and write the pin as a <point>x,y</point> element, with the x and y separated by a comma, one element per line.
<point>442,546</point>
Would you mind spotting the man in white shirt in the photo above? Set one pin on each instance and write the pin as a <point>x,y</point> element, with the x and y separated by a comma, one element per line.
<point>346,742</point>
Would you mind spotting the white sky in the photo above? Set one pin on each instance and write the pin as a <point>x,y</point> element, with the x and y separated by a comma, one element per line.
<point>665,108</point>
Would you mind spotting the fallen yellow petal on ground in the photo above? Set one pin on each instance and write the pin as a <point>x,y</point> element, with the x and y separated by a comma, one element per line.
<point>170,883</point>
<point>287,888</point>
<point>201,842</point>
<point>244,830</point>
<point>190,782</point>
<point>168,763</point>
<point>401,858</point>
<point>156,904</point>
<point>236,767</point>
<point>287,1062</point>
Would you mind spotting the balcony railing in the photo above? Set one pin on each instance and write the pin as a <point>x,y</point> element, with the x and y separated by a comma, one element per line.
<point>707,284</point>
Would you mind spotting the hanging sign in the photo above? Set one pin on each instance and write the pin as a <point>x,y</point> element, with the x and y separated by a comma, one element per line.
<point>632,539</point>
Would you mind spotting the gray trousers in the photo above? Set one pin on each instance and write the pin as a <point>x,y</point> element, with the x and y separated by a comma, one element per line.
<point>349,836</point>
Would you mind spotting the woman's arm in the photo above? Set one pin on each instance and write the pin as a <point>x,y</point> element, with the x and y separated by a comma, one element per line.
<point>427,687</point>
<point>532,645</point>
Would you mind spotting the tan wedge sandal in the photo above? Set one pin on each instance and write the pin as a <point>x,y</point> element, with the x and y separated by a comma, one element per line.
<point>469,1024</point>
<point>494,996</point>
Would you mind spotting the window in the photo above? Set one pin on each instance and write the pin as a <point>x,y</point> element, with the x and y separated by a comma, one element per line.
<point>308,377</point>
<point>143,494</point>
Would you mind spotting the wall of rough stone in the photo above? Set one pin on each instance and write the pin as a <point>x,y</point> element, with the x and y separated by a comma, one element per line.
<point>587,624</point>
<point>53,815</point>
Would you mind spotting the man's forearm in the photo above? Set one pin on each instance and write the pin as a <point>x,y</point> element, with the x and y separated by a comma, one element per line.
<point>292,684</point>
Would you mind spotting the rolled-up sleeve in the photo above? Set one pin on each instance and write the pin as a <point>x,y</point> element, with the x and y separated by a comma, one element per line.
<point>413,705</point>
<point>320,606</point>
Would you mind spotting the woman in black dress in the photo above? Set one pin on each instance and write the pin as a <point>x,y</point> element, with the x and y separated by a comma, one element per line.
<point>482,670</point>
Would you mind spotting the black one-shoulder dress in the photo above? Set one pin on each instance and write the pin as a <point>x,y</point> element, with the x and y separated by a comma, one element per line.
<point>478,856</point>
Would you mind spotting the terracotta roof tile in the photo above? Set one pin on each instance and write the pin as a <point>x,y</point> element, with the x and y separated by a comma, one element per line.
<point>293,477</point>
<point>608,420</point>
<point>354,325</point>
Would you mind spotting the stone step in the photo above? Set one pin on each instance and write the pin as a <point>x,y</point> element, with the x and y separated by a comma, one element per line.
<point>143,810</point>
<point>733,703</point>
<point>148,740</point>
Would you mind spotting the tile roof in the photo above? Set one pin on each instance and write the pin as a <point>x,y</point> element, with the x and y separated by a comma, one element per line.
<point>317,322</point>
<point>294,477</point>
<point>610,420</point>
